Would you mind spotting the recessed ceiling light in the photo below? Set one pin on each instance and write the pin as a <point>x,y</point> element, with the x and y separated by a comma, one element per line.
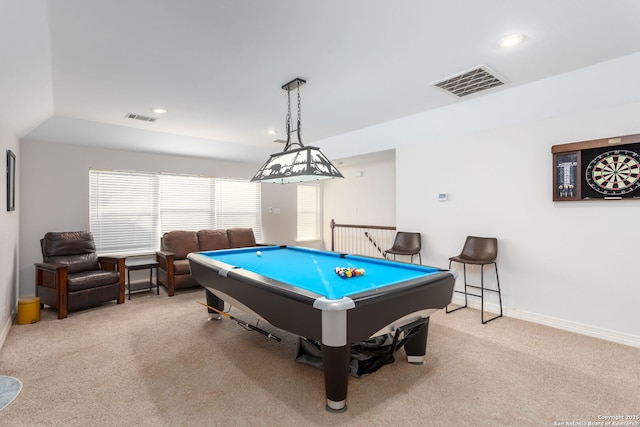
<point>511,40</point>
<point>159,110</point>
<point>272,131</point>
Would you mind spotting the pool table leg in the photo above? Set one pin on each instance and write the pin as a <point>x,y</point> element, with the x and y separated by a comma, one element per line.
<point>215,302</point>
<point>416,346</point>
<point>336,350</point>
<point>335,363</point>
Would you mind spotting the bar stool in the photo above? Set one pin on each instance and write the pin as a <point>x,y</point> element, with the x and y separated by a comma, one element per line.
<point>406,244</point>
<point>478,251</point>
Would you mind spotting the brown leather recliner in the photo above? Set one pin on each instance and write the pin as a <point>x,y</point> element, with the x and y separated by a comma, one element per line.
<point>73,277</point>
<point>173,270</point>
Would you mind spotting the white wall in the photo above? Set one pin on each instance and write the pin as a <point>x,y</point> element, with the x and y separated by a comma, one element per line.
<point>366,195</point>
<point>54,192</point>
<point>569,264</point>
<point>9,243</point>
<point>279,229</point>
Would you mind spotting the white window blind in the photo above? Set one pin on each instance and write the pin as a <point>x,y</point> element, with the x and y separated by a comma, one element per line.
<point>238,204</point>
<point>123,211</point>
<point>308,212</point>
<point>129,211</point>
<point>186,203</point>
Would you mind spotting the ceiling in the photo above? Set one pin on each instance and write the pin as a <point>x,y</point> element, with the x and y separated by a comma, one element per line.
<point>218,66</point>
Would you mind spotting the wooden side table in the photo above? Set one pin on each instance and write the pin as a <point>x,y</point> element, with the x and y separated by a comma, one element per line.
<point>141,264</point>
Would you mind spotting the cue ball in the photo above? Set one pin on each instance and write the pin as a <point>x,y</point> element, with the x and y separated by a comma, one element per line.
<point>259,253</point>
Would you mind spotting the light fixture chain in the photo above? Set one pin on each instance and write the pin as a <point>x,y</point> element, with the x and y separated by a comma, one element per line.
<point>288,122</point>
<point>299,115</point>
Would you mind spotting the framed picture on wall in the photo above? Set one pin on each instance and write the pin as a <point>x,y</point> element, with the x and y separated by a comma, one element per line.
<point>11,181</point>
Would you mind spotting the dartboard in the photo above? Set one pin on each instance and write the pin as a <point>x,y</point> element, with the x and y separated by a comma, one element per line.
<point>615,172</point>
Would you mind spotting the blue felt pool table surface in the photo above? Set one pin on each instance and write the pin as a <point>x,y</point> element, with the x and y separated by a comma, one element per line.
<point>314,270</point>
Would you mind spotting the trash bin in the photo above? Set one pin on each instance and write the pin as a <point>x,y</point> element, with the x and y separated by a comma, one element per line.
<point>28,310</point>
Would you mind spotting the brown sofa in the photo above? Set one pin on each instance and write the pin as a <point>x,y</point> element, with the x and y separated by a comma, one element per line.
<point>173,269</point>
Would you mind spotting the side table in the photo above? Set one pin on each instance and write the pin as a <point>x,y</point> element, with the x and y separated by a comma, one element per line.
<point>141,264</point>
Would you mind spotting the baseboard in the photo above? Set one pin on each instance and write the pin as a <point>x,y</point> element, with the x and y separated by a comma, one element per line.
<point>579,328</point>
<point>554,322</point>
<point>6,327</point>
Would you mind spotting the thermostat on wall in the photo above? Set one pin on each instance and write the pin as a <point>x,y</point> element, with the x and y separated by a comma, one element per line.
<point>442,197</point>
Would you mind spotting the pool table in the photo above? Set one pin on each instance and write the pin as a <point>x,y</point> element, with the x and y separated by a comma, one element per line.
<point>298,290</point>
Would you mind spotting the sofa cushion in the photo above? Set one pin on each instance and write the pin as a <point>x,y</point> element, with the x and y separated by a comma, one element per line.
<point>241,237</point>
<point>180,242</point>
<point>181,266</point>
<point>91,279</point>
<point>73,248</point>
<point>211,240</point>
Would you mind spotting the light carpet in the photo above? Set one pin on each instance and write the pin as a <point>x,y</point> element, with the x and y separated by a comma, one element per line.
<point>157,361</point>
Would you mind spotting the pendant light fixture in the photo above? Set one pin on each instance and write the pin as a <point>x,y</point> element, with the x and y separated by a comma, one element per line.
<point>296,164</point>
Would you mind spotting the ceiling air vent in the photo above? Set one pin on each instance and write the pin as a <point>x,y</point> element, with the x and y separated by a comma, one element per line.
<point>468,82</point>
<point>139,117</point>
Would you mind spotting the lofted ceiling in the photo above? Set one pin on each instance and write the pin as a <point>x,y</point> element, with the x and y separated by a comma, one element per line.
<point>217,66</point>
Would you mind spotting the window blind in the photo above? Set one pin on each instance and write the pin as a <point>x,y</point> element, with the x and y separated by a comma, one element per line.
<point>238,204</point>
<point>308,208</point>
<point>186,203</point>
<point>129,211</point>
<point>123,211</point>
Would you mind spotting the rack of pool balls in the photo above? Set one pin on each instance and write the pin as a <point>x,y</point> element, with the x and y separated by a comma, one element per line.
<point>347,272</point>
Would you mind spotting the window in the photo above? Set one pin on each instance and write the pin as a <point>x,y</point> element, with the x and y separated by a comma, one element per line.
<point>238,205</point>
<point>129,211</point>
<point>186,203</point>
<point>308,212</point>
<point>123,211</point>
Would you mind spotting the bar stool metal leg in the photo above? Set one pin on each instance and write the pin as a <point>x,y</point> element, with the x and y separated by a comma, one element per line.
<point>464,275</point>
<point>491,290</point>
<point>482,291</point>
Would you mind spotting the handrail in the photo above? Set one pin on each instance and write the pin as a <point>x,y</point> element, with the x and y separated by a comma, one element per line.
<point>374,227</point>
<point>362,243</point>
